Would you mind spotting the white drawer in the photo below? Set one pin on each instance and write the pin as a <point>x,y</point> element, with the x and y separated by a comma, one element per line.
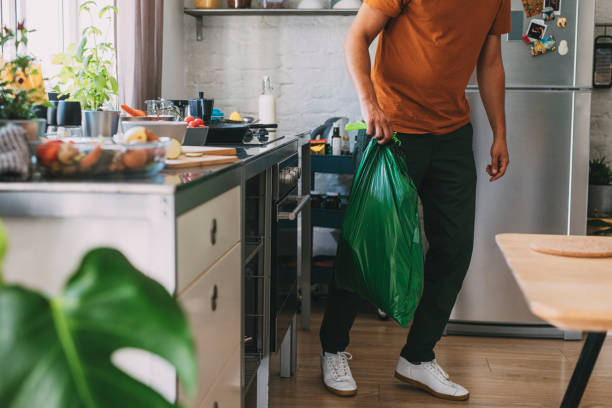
<point>216,332</point>
<point>226,393</point>
<point>205,233</point>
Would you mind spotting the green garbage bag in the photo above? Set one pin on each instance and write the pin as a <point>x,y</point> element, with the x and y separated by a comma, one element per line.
<point>380,253</point>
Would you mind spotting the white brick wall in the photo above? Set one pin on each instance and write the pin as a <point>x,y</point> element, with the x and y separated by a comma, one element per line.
<point>302,54</point>
<point>601,110</point>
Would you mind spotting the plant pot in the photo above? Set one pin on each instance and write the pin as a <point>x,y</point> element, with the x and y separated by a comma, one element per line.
<point>68,113</point>
<point>35,128</point>
<point>100,123</point>
<point>600,200</point>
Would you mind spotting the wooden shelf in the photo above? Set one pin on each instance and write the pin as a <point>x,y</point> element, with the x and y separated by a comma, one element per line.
<point>200,13</point>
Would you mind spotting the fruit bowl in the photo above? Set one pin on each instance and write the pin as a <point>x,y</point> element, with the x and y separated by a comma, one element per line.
<point>174,130</point>
<point>66,158</point>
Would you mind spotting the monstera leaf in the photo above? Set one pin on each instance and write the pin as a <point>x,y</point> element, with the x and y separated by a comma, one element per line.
<point>57,352</point>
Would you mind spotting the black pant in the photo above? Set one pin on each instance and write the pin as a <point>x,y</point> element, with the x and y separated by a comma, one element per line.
<point>442,168</point>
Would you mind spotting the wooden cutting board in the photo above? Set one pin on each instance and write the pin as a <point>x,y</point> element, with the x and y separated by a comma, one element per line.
<point>205,160</point>
<point>574,245</point>
<point>210,150</point>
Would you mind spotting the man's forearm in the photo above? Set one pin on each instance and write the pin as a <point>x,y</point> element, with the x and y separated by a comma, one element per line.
<point>492,86</point>
<point>358,64</point>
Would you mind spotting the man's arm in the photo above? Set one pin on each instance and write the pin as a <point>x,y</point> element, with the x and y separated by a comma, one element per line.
<point>492,85</point>
<point>366,26</point>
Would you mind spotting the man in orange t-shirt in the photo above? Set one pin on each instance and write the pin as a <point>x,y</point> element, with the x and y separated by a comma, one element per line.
<point>427,51</point>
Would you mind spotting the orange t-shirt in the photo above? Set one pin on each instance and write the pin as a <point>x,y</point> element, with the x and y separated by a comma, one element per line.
<point>426,55</point>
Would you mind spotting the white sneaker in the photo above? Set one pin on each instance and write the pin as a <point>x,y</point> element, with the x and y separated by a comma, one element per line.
<point>430,377</point>
<point>337,375</point>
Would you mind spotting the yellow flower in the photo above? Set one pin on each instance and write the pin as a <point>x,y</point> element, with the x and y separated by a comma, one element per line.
<point>30,79</point>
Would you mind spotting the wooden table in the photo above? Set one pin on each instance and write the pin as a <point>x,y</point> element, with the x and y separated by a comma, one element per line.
<point>569,293</point>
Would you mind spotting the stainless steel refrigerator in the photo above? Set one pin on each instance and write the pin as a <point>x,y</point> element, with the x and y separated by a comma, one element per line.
<point>548,106</point>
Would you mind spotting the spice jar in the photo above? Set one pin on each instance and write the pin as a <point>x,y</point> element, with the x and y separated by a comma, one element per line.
<point>207,4</point>
<point>238,4</point>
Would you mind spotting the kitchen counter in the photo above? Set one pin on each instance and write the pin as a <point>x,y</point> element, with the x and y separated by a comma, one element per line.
<point>183,228</point>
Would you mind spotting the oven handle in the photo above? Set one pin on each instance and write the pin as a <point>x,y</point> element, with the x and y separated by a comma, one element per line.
<point>302,200</point>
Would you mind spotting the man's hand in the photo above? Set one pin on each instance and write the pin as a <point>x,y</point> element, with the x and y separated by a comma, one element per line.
<point>499,159</point>
<point>379,127</point>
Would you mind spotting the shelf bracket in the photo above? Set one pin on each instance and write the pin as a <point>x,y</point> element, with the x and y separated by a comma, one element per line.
<point>199,28</point>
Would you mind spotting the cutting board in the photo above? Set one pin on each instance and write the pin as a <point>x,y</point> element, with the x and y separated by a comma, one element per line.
<point>210,150</point>
<point>208,160</point>
<point>574,245</point>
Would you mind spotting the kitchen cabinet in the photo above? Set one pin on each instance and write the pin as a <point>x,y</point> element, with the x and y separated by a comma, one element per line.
<point>205,233</point>
<point>225,393</point>
<point>213,306</point>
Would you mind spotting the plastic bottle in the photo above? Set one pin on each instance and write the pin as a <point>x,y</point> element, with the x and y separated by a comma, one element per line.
<point>345,147</point>
<point>267,103</point>
<point>335,142</point>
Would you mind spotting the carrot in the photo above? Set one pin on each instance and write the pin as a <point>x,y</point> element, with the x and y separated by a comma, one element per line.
<point>132,112</point>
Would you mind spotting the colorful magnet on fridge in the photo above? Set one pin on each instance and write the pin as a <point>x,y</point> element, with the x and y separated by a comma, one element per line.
<point>543,46</point>
<point>536,29</point>
<point>562,22</point>
<point>526,39</point>
<point>548,13</point>
<point>563,47</point>
<point>532,7</point>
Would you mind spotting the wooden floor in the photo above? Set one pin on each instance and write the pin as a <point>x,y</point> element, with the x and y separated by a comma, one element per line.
<point>498,372</point>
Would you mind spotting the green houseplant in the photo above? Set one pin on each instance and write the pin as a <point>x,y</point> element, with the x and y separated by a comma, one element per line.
<point>56,352</point>
<point>21,84</point>
<point>600,190</point>
<point>87,73</point>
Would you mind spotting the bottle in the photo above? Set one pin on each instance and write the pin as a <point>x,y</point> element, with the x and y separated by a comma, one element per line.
<point>267,103</point>
<point>345,147</point>
<point>335,142</point>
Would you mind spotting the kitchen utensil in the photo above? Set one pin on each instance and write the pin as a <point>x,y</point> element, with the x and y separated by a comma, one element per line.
<point>207,110</point>
<point>161,107</point>
<point>181,105</point>
<point>207,4</point>
<point>100,123</point>
<point>52,113</point>
<point>210,150</point>
<point>222,133</point>
<point>68,113</point>
<point>184,161</point>
<point>174,130</point>
<point>238,4</point>
<point>312,4</point>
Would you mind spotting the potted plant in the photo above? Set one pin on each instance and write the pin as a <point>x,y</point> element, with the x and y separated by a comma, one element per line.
<point>87,75</point>
<point>600,190</point>
<point>22,88</point>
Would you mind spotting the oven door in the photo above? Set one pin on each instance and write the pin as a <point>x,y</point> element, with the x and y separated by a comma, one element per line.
<point>283,282</point>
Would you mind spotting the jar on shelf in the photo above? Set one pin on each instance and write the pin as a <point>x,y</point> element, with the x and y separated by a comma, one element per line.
<point>238,4</point>
<point>332,201</point>
<point>272,4</point>
<point>316,198</point>
<point>207,4</point>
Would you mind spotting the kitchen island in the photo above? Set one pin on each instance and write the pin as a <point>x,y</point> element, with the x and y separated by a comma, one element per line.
<point>186,229</point>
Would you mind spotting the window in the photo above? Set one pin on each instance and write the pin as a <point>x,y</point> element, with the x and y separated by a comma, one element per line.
<point>57,24</point>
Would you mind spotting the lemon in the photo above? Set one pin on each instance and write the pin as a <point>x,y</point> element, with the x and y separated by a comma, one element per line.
<point>235,117</point>
<point>136,135</point>
<point>174,151</point>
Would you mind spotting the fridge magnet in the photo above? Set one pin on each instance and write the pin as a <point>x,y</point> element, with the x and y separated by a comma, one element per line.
<point>526,39</point>
<point>532,7</point>
<point>536,29</point>
<point>543,46</point>
<point>548,13</point>
<point>563,47</point>
<point>562,22</point>
<point>554,4</point>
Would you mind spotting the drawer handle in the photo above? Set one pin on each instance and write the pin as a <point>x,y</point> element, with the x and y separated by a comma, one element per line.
<point>213,232</point>
<point>213,298</point>
<point>216,405</point>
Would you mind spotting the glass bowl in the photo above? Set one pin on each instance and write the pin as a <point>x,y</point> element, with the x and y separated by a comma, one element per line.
<point>78,158</point>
